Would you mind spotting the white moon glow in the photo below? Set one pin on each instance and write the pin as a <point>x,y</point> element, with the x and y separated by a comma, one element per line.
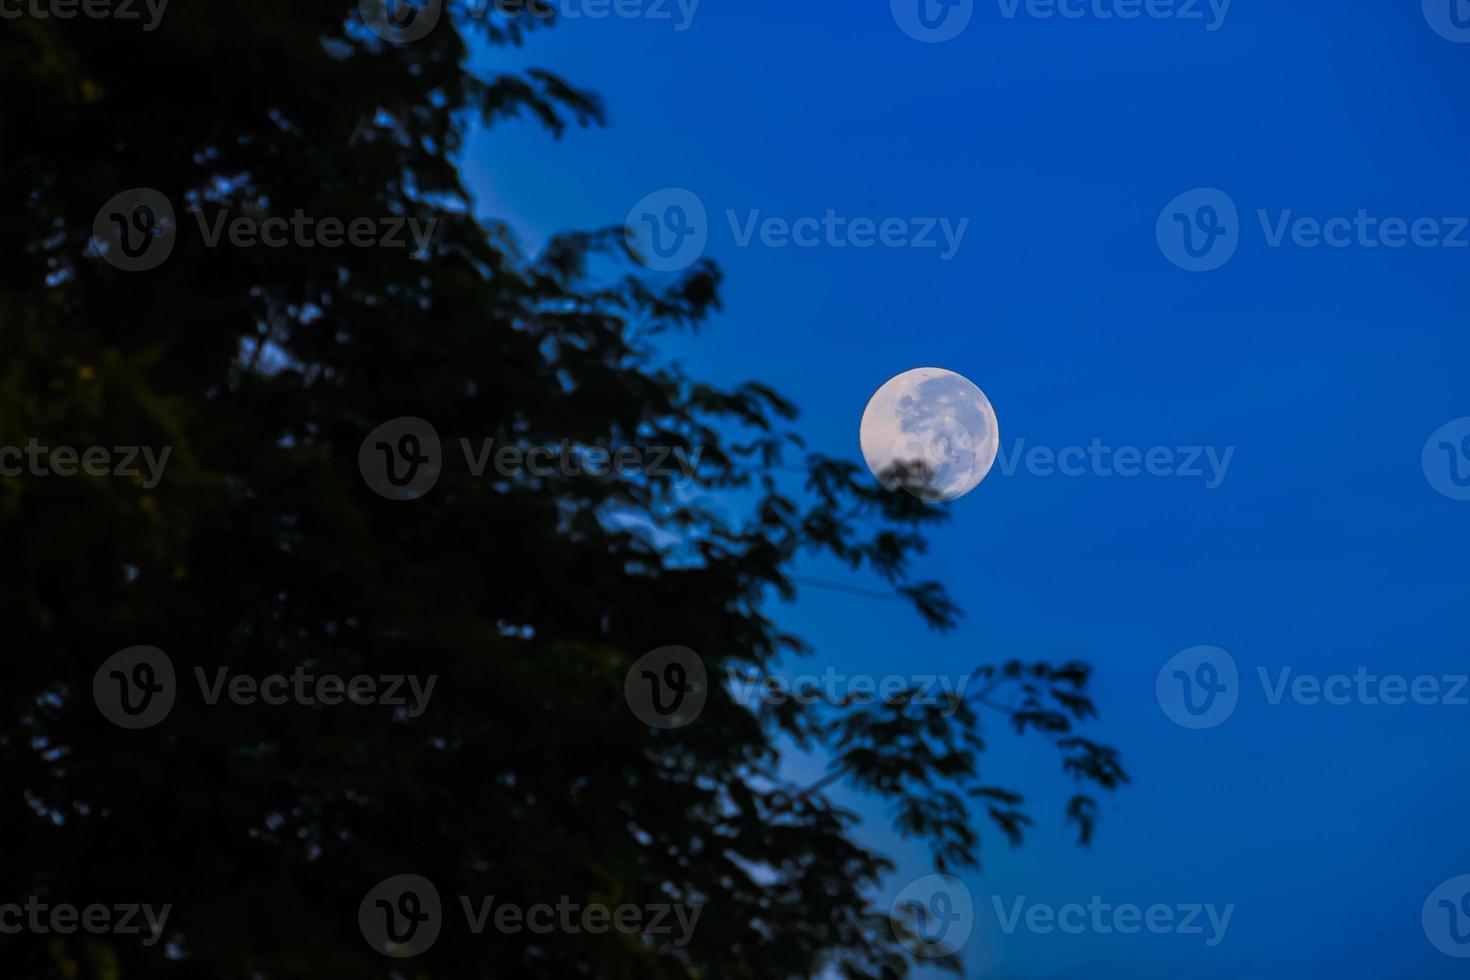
<point>931,432</point>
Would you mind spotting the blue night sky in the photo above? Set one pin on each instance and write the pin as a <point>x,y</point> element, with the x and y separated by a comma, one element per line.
<point>1324,549</point>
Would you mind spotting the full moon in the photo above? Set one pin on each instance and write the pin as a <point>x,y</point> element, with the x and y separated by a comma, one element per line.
<point>931,432</point>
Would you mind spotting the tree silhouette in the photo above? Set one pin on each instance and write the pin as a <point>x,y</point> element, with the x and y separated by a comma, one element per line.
<point>529,596</point>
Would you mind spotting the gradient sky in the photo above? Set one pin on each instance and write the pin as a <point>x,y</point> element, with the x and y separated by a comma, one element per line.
<point>1324,549</point>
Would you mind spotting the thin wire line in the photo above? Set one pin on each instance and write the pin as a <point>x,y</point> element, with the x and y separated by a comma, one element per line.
<point>839,587</point>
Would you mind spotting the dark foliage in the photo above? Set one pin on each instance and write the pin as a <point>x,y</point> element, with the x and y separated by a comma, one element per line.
<point>529,597</point>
